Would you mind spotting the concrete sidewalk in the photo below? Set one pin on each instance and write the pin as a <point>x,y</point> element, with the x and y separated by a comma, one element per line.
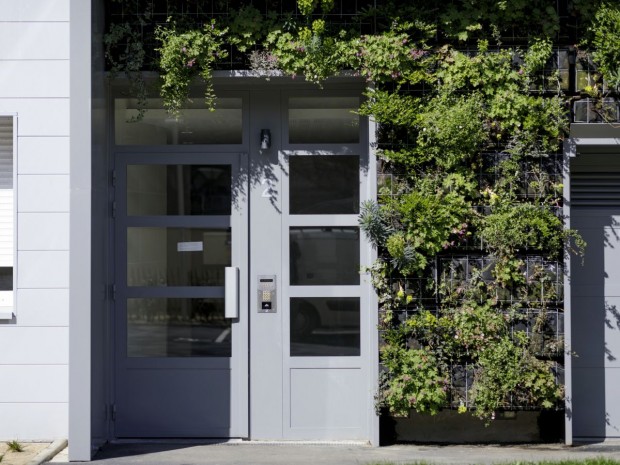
<point>253,453</point>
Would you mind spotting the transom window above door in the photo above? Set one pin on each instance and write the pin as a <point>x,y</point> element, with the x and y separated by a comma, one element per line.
<point>195,125</point>
<point>323,120</point>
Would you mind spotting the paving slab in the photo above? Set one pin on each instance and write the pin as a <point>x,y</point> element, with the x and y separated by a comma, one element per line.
<point>258,453</point>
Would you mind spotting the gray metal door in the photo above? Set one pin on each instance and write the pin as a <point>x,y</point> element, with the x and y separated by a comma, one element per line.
<point>312,344</point>
<point>595,298</point>
<point>181,325</point>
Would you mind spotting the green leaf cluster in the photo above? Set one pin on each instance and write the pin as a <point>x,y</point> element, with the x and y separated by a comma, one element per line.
<point>185,54</point>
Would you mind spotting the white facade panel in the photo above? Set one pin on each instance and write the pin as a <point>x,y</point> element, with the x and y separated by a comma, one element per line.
<point>35,421</point>
<point>43,155</point>
<point>38,78</point>
<point>42,193</point>
<point>26,383</point>
<point>34,346</point>
<point>34,10</point>
<point>42,269</point>
<point>43,307</point>
<point>43,231</point>
<point>37,41</point>
<point>39,117</point>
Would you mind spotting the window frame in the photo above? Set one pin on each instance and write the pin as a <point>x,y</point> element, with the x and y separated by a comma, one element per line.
<point>10,316</point>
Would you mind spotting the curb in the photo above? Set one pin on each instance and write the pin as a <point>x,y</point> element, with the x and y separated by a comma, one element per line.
<point>49,452</point>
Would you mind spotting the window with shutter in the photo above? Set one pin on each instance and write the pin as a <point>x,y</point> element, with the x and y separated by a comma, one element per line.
<point>7,218</point>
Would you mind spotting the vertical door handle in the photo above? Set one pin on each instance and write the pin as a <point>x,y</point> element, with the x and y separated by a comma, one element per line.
<point>231,295</point>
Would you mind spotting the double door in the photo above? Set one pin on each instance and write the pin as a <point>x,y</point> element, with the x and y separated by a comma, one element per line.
<point>241,308</point>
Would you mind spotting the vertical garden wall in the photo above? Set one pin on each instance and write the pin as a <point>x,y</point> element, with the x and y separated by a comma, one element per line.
<point>473,100</point>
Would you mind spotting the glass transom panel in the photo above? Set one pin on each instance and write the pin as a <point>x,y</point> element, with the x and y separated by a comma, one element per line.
<point>323,120</point>
<point>195,125</point>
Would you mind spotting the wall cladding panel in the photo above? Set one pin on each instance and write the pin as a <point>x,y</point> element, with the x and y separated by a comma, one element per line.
<point>34,346</point>
<point>40,41</point>
<point>43,231</point>
<point>39,117</point>
<point>43,307</point>
<point>17,421</point>
<point>34,10</point>
<point>43,193</point>
<point>34,79</point>
<point>43,155</point>
<point>26,385</point>
<point>42,269</point>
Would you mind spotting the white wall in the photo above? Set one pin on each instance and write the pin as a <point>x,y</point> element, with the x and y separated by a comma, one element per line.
<point>34,349</point>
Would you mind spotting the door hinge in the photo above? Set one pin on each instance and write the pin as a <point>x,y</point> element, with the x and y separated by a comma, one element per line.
<point>113,412</point>
<point>113,178</point>
<point>113,209</point>
<point>112,292</point>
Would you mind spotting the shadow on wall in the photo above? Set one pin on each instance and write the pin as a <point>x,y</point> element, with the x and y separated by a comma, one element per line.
<point>595,285</point>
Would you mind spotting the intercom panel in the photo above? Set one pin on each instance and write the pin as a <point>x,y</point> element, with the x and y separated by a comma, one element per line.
<point>267,294</point>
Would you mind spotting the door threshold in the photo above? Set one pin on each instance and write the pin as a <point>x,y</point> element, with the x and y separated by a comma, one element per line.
<point>296,442</point>
<point>191,441</point>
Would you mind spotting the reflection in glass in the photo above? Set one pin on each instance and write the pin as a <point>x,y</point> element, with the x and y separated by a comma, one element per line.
<point>325,255</point>
<point>179,189</point>
<point>196,124</point>
<point>325,326</point>
<point>177,328</point>
<point>177,256</point>
<point>324,185</point>
<point>323,120</point>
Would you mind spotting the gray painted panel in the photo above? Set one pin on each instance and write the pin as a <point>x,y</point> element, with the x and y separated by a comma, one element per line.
<point>174,416</point>
<point>265,239</point>
<point>327,399</point>
<point>596,410</point>
<point>596,339</point>
<point>80,232</point>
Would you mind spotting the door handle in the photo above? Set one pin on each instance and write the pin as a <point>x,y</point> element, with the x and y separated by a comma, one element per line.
<point>231,293</point>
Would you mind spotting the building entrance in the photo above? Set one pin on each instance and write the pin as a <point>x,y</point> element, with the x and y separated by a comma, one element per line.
<point>241,305</point>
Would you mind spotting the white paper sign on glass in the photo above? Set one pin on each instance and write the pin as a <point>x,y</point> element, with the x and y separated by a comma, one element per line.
<point>189,246</point>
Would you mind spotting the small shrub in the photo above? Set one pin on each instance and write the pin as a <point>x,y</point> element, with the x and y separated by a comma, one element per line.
<point>15,446</point>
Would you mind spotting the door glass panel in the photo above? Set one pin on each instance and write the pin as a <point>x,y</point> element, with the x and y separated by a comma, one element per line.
<point>195,125</point>
<point>177,256</point>
<point>328,326</point>
<point>323,120</point>
<point>177,328</point>
<point>325,255</point>
<point>324,185</point>
<point>179,190</point>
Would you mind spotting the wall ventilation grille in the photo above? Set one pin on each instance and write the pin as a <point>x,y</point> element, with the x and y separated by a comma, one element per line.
<point>595,189</point>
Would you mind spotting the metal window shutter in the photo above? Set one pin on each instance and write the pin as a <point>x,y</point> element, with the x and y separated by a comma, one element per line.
<point>590,189</point>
